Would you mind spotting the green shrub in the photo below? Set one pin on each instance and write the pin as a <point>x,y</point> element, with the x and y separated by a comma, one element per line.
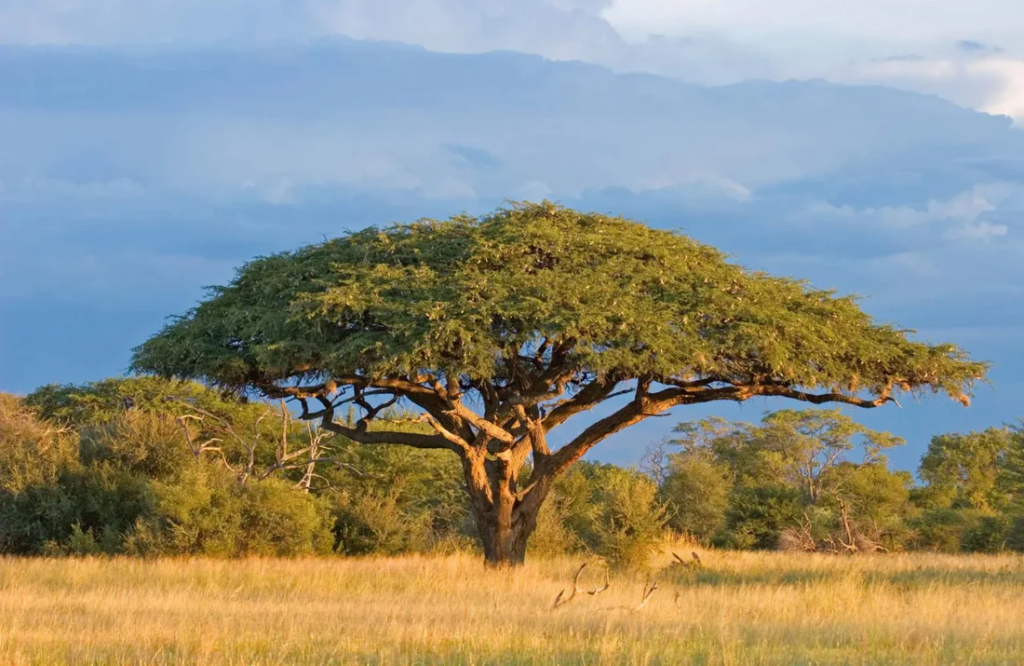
<point>377,523</point>
<point>757,516</point>
<point>943,530</point>
<point>630,522</point>
<point>207,512</point>
<point>148,443</point>
<point>988,534</point>
<point>696,491</point>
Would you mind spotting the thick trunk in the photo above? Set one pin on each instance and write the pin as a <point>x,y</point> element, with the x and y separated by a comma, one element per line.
<point>504,521</point>
<point>504,533</point>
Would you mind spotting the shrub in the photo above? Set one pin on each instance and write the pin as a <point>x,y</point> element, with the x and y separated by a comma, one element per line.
<point>627,522</point>
<point>696,491</point>
<point>148,443</point>
<point>757,516</point>
<point>32,451</point>
<point>207,512</point>
<point>377,523</point>
<point>943,530</point>
<point>989,534</point>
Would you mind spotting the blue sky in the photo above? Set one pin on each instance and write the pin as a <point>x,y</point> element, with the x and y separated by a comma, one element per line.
<point>149,147</point>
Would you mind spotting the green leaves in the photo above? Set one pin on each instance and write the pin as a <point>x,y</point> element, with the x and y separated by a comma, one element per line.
<point>464,297</point>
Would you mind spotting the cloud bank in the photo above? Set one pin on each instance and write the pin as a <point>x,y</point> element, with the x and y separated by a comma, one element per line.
<point>955,49</point>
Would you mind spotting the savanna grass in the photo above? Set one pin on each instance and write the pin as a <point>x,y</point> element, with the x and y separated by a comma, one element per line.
<point>740,608</point>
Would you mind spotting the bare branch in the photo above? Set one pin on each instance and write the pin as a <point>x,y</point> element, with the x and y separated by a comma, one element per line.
<point>559,600</point>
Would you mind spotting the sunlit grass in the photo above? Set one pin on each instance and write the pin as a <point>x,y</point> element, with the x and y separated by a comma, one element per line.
<point>749,608</point>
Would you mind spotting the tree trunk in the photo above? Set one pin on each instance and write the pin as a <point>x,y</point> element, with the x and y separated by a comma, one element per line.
<point>504,521</point>
<point>504,533</point>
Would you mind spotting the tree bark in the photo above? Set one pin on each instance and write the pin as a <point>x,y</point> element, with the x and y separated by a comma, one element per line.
<point>504,518</point>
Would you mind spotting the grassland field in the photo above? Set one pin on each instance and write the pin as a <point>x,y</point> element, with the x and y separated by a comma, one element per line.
<point>740,608</point>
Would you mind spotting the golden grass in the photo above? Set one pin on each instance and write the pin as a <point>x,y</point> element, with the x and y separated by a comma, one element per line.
<point>742,608</point>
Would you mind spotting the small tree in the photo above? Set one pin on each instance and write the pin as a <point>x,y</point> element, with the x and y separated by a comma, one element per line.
<point>970,471</point>
<point>794,464</point>
<point>500,329</point>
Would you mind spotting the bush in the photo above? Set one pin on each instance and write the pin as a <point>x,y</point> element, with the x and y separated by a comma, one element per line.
<point>989,534</point>
<point>377,523</point>
<point>757,516</point>
<point>630,522</point>
<point>147,443</point>
<point>102,501</point>
<point>207,512</point>
<point>278,520</point>
<point>943,530</point>
<point>696,490</point>
<point>32,451</point>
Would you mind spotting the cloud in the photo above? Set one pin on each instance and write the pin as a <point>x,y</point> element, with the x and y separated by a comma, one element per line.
<point>974,215</point>
<point>972,46</point>
<point>557,29</point>
<point>825,21</point>
<point>985,79</point>
<point>705,41</point>
<point>149,22</point>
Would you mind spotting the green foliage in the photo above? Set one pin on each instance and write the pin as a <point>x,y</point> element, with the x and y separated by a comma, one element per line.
<point>629,524</point>
<point>1015,534</point>
<point>790,477</point>
<point>459,296</point>
<point>757,516</point>
<point>696,489</point>
<point>150,444</point>
<point>606,510</point>
<point>943,530</point>
<point>989,535</point>
<point>378,523</point>
<point>965,471</point>
<point>393,499</point>
<point>99,402</point>
<point>102,501</point>
<point>207,512</point>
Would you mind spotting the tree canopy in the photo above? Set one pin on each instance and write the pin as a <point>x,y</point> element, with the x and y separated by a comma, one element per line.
<point>501,327</point>
<point>477,297</point>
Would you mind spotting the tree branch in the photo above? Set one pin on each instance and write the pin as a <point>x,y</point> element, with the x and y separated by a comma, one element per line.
<point>591,395</point>
<point>362,435</point>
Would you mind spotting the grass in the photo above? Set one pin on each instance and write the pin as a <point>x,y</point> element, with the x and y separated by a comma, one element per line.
<point>742,608</point>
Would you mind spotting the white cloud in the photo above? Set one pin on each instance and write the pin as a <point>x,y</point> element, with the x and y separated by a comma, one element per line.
<point>963,217</point>
<point>988,80</point>
<point>822,21</point>
<point>978,231</point>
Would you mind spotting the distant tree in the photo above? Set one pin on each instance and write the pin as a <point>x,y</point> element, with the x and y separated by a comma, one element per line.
<point>970,471</point>
<point>814,470</point>
<point>696,489</point>
<point>501,328</point>
<point>800,448</point>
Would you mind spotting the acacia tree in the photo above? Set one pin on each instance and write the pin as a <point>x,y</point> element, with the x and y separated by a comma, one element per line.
<point>501,328</point>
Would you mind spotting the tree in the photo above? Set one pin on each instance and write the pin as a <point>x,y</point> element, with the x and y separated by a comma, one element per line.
<point>501,328</point>
<point>970,471</point>
<point>791,470</point>
<point>696,488</point>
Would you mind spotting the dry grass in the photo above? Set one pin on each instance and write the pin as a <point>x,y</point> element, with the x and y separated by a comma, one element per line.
<point>741,608</point>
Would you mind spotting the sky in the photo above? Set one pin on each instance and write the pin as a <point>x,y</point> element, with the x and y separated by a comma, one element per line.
<point>148,147</point>
<point>969,52</point>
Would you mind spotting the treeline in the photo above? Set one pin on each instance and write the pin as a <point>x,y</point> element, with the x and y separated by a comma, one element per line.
<point>815,480</point>
<point>148,467</point>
